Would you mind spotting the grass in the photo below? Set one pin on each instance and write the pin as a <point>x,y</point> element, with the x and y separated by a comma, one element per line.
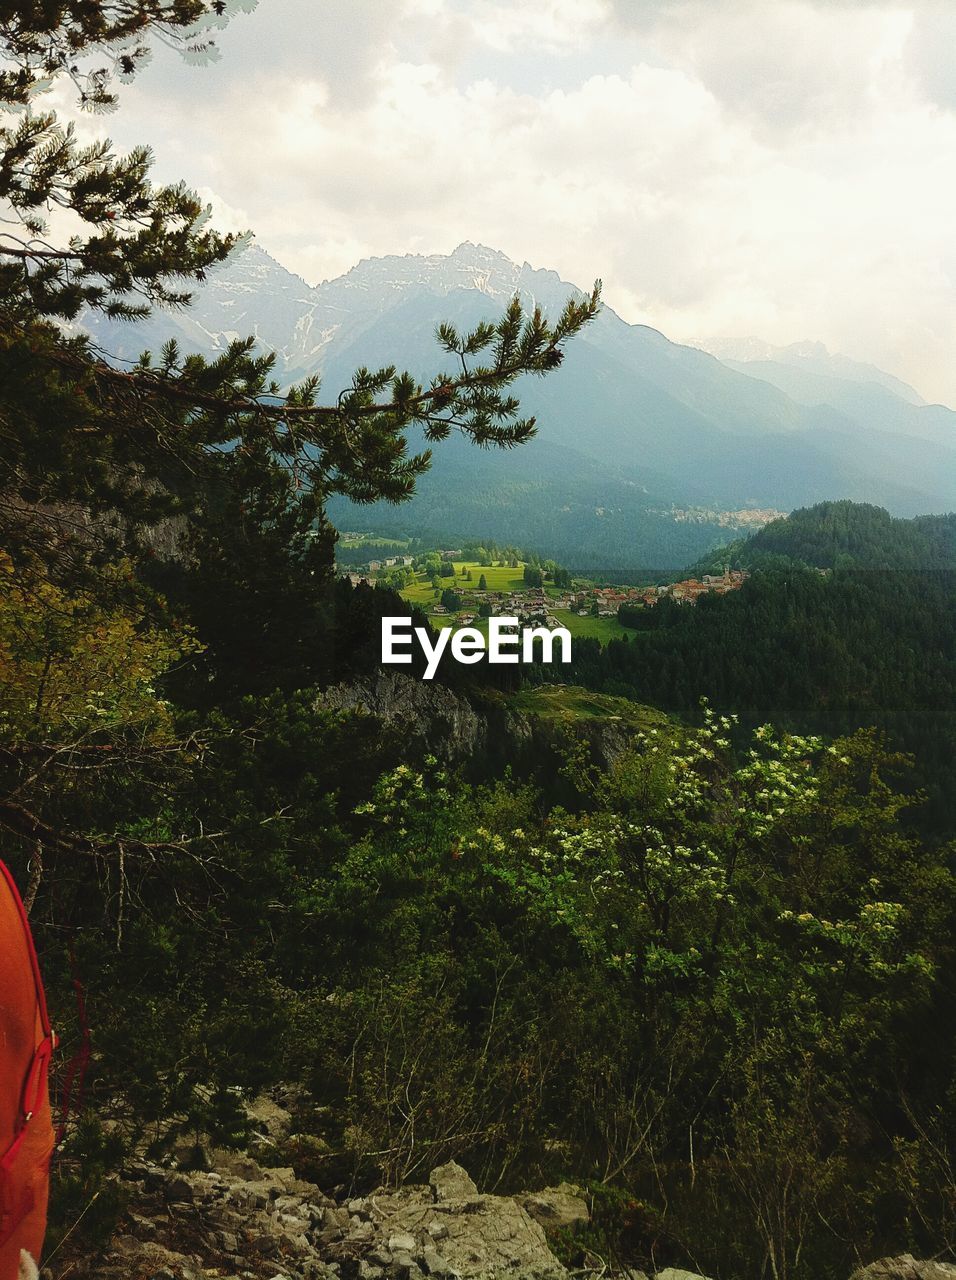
<point>603,629</point>
<point>560,701</point>
<point>498,578</point>
<point>505,579</point>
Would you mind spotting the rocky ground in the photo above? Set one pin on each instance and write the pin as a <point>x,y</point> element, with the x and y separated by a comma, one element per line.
<point>245,1222</point>
<point>242,1220</point>
<point>239,1219</point>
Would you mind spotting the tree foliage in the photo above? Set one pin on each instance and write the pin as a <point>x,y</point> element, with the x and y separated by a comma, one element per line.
<point>147,429</point>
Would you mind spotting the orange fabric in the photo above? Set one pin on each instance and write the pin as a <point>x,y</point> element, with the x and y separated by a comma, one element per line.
<point>22,1031</point>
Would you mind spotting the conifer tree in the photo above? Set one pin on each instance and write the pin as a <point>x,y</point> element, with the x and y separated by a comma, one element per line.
<point>201,479</point>
<point>80,434</point>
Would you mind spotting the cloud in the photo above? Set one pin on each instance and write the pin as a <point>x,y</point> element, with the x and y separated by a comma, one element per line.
<point>781,168</point>
<point>790,65</point>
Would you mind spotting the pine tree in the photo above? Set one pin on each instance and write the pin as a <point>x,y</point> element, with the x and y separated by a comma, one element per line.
<point>75,428</point>
<point>203,480</point>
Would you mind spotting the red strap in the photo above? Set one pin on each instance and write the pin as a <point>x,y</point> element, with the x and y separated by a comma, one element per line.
<point>30,1098</point>
<point>31,949</point>
<point>77,1066</point>
<point>17,1199</point>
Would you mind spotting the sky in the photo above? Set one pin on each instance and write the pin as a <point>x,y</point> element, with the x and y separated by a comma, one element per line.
<point>776,168</point>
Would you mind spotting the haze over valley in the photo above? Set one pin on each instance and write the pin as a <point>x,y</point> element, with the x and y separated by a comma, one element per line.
<point>648,453</point>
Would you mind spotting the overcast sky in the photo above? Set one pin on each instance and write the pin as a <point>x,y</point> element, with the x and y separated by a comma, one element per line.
<point>782,168</point>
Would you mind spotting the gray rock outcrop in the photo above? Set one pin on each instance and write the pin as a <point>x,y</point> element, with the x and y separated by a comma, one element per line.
<point>241,1220</point>
<point>905,1267</point>
<point>560,1208</point>
<point>441,720</point>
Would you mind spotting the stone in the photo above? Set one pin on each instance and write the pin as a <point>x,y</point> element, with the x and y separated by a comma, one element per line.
<point>560,1208</point>
<point>403,1242</point>
<point>905,1267</point>
<point>483,1236</point>
<point>674,1273</point>
<point>270,1119</point>
<point>232,1164</point>
<point>437,1266</point>
<point>404,1267</point>
<point>451,1182</point>
<point>361,1231</point>
<point>180,1190</point>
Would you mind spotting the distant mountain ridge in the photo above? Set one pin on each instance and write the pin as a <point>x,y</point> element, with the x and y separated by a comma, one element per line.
<point>813,357</point>
<point>634,429</point>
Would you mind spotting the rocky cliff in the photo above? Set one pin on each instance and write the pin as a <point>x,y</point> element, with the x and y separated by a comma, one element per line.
<point>491,729</point>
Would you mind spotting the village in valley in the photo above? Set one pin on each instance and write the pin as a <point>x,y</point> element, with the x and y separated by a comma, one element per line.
<point>461,586</point>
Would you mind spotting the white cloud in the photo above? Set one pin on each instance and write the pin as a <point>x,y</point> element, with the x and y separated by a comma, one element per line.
<point>780,168</point>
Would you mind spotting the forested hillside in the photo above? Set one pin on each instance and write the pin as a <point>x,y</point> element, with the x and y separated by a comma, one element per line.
<point>700,966</point>
<point>843,535</point>
<point>848,619</point>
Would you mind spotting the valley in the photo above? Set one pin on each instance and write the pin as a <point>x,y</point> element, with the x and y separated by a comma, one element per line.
<point>649,453</point>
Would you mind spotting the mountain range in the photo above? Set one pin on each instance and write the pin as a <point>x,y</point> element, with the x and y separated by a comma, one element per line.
<point>648,453</point>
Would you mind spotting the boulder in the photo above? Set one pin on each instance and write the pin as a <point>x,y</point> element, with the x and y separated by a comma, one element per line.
<point>561,1208</point>
<point>457,1232</point>
<point>905,1267</point>
<point>450,1182</point>
<point>268,1117</point>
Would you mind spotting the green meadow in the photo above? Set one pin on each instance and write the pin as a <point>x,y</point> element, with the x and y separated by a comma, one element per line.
<point>603,629</point>
<point>505,579</point>
<point>558,701</point>
<point>498,577</point>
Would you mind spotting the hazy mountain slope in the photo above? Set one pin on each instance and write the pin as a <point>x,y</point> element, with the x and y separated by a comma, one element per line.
<point>813,357</point>
<point>632,423</point>
<point>871,405</point>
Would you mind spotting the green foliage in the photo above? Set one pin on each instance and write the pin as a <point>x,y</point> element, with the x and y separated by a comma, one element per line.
<point>843,535</point>
<point>86,1198</point>
<point>717,987</point>
<point>824,653</point>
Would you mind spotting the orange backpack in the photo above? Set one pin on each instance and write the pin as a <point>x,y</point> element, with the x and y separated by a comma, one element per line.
<point>26,1045</point>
